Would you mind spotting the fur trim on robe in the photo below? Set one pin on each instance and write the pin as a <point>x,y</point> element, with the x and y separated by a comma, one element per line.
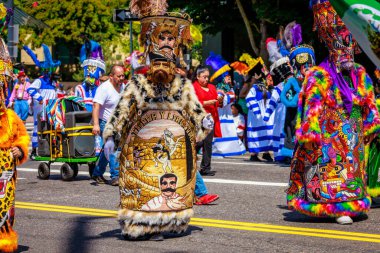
<point>13,133</point>
<point>139,223</point>
<point>140,95</point>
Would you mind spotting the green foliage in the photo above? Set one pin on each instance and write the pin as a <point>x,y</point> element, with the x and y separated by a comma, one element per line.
<point>70,20</point>
<point>78,75</point>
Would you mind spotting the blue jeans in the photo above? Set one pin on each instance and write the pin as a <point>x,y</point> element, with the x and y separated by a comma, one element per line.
<point>200,186</point>
<point>103,162</point>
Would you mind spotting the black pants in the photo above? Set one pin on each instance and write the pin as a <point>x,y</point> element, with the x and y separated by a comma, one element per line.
<point>206,144</point>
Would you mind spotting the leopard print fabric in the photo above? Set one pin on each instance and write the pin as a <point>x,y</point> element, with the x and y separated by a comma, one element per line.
<point>7,189</point>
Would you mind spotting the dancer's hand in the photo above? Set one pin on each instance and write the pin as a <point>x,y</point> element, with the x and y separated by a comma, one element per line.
<point>208,122</point>
<point>16,152</point>
<point>109,147</point>
<point>96,130</point>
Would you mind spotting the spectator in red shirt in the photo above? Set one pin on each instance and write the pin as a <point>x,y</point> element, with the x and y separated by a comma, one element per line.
<point>210,100</point>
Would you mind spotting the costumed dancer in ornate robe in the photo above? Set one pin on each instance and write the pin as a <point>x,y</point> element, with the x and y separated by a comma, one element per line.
<point>337,115</point>
<point>91,57</point>
<point>373,167</point>
<point>42,89</point>
<point>14,142</point>
<point>259,132</point>
<point>159,118</point>
<point>229,144</point>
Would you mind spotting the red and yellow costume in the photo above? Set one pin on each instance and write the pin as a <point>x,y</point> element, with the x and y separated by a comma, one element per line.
<point>12,134</point>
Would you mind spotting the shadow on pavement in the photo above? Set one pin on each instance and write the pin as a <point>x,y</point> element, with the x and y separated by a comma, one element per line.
<point>293,216</point>
<point>22,248</point>
<point>79,240</point>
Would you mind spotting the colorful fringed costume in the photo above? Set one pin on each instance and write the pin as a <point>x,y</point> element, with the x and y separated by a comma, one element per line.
<point>373,167</point>
<point>13,135</point>
<point>328,169</point>
<point>159,118</point>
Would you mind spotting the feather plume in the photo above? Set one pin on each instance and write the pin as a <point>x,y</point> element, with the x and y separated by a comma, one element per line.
<point>143,8</point>
<point>297,35</point>
<point>288,35</point>
<point>48,58</point>
<point>32,55</point>
<point>240,67</point>
<point>273,50</point>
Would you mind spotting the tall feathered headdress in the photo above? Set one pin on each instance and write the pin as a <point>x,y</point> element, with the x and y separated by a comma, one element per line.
<point>91,54</point>
<point>328,24</point>
<point>292,35</point>
<point>48,63</point>
<point>273,50</point>
<point>255,65</point>
<point>158,27</point>
<point>219,65</point>
<point>143,8</point>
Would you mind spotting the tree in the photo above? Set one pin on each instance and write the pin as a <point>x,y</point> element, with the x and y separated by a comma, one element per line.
<point>69,20</point>
<point>252,20</point>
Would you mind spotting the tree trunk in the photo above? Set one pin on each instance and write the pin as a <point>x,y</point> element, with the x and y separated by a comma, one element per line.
<point>248,27</point>
<point>264,35</point>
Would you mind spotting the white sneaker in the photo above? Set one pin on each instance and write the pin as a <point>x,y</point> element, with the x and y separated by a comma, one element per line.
<point>344,220</point>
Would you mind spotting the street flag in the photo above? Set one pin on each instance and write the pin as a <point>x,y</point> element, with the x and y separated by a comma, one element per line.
<point>362,18</point>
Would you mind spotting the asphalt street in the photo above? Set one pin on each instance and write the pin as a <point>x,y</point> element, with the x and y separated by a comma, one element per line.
<point>250,216</point>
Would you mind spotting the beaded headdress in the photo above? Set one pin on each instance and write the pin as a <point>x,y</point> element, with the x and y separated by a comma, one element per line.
<point>333,32</point>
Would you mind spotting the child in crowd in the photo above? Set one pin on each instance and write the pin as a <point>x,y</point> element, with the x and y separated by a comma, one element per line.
<point>239,120</point>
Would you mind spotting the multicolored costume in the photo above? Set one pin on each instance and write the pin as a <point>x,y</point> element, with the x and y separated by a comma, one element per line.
<point>43,88</point>
<point>159,118</point>
<point>91,57</point>
<point>12,134</point>
<point>229,144</point>
<point>373,167</point>
<point>336,110</point>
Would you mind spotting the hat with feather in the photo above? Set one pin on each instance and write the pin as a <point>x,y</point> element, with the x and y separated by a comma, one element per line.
<point>256,67</point>
<point>48,66</point>
<point>92,59</point>
<point>164,35</point>
<point>300,55</point>
<point>219,65</point>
